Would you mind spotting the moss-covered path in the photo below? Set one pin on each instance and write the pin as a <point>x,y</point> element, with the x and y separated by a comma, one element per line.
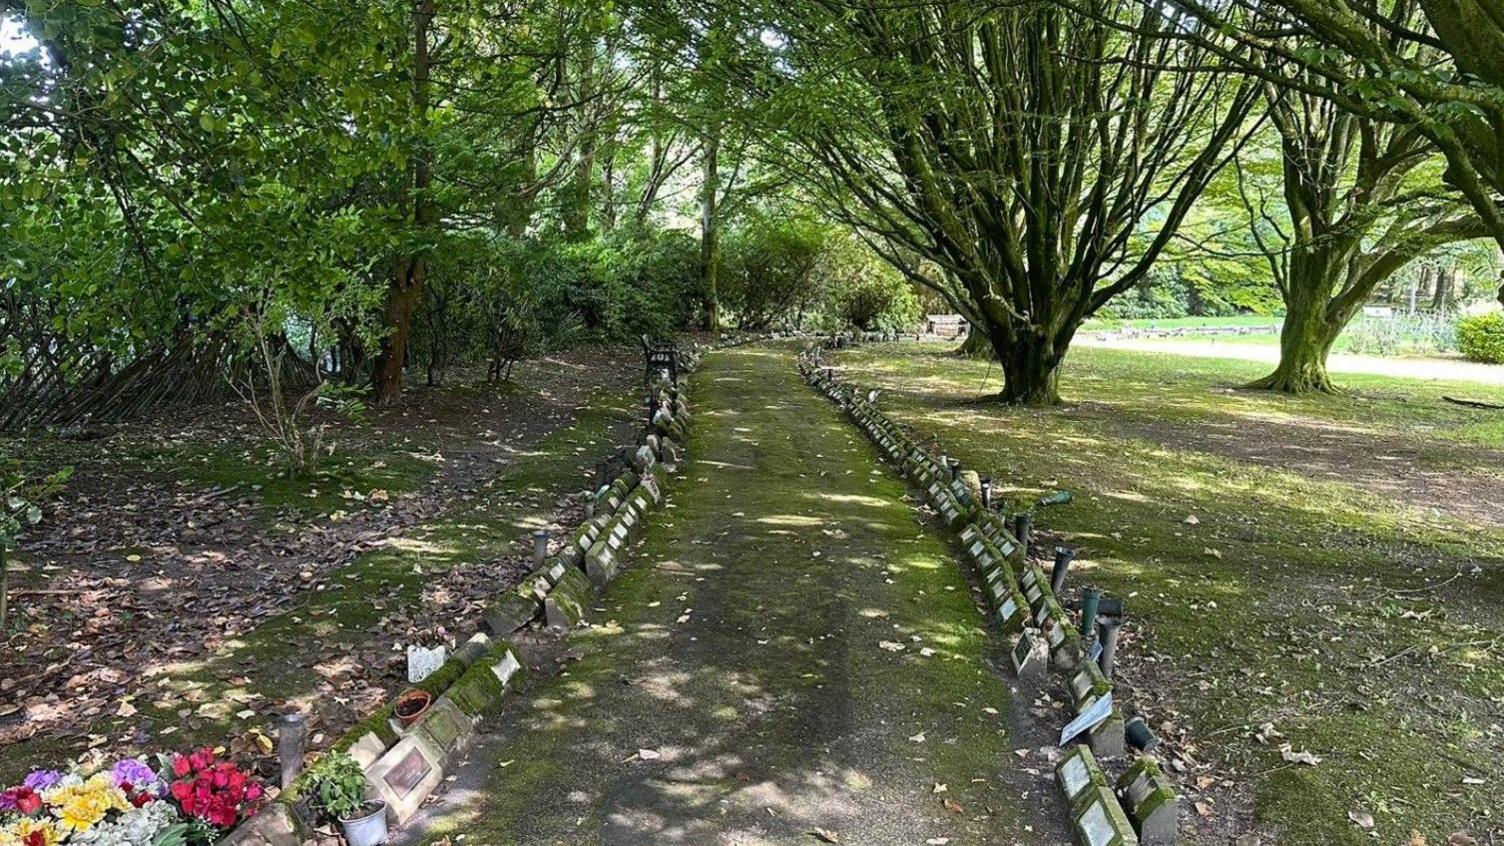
<point>790,651</point>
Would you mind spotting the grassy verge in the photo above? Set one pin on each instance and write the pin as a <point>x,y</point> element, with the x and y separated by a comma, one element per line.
<point>1366,631</point>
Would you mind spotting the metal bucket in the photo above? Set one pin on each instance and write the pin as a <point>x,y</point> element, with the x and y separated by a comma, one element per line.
<point>369,830</point>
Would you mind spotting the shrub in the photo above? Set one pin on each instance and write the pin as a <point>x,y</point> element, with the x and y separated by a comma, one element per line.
<point>768,270</point>
<point>1403,334</point>
<point>1481,337</point>
<point>865,291</point>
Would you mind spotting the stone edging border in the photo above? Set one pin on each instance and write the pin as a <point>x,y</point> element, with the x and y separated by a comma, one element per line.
<point>1142,807</point>
<point>403,766</point>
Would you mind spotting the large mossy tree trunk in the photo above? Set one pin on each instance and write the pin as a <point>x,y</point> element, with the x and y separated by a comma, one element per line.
<point>1315,313</point>
<point>1351,226</point>
<point>1305,341</point>
<point>1030,354</point>
<point>1031,375</point>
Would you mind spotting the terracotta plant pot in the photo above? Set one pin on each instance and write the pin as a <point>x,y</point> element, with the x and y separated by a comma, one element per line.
<point>412,705</point>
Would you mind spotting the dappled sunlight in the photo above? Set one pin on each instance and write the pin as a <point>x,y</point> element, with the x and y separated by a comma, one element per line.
<point>853,499</point>
<point>419,546</point>
<point>724,465</point>
<point>791,520</point>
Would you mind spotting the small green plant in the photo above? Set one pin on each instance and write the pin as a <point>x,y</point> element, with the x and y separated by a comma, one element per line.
<point>337,786</point>
<point>1481,337</point>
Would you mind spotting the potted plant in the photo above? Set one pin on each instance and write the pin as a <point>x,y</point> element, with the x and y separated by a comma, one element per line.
<point>337,791</point>
<point>411,706</point>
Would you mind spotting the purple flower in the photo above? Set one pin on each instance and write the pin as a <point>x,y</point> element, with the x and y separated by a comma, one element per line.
<point>134,772</point>
<point>8,799</point>
<point>40,780</point>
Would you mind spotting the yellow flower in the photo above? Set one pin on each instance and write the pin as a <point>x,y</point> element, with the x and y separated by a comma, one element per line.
<point>28,827</point>
<point>79,807</point>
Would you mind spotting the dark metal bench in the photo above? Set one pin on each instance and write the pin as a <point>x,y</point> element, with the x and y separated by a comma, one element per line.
<point>660,357</point>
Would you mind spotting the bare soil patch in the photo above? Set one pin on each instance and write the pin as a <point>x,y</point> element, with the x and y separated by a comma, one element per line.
<point>138,570</point>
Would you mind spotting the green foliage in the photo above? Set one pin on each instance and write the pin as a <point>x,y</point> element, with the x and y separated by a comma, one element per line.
<point>866,292</point>
<point>21,497</point>
<point>336,786</point>
<point>1403,334</point>
<point>1481,337</point>
<point>770,268</point>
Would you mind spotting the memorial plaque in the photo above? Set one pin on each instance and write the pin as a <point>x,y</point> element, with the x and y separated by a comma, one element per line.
<point>442,728</point>
<point>1023,653</point>
<point>1098,711</point>
<point>1010,607</point>
<point>1029,579</point>
<point>1033,594</point>
<point>506,667</point>
<point>1074,777</point>
<point>408,773</point>
<point>1096,826</point>
<point>1096,651</point>
<point>422,662</point>
<point>1081,684</point>
<point>977,549</point>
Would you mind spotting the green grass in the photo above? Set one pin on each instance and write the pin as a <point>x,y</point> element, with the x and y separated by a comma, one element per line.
<point>1276,602</point>
<point>1097,324</point>
<point>338,480</point>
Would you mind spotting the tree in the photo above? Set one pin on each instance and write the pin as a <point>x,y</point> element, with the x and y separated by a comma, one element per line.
<point>1436,65</point>
<point>1040,157</point>
<point>1355,217</point>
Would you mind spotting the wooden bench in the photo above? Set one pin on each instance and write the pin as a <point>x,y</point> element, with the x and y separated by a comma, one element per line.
<point>660,357</point>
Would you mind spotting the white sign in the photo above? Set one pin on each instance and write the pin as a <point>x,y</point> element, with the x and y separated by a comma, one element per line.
<point>1095,713</point>
<point>421,662</point>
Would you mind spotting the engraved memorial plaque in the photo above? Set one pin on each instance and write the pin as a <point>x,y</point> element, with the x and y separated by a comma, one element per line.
<point>408,773</point>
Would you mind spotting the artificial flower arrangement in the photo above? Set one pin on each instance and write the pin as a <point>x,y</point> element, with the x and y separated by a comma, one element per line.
<point>182,799</point>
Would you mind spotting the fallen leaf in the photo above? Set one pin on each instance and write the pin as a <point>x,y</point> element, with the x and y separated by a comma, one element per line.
<point>951,805</point>
<point>824,836</point>
<point>1362,819</point>
<point>1301,757</point>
